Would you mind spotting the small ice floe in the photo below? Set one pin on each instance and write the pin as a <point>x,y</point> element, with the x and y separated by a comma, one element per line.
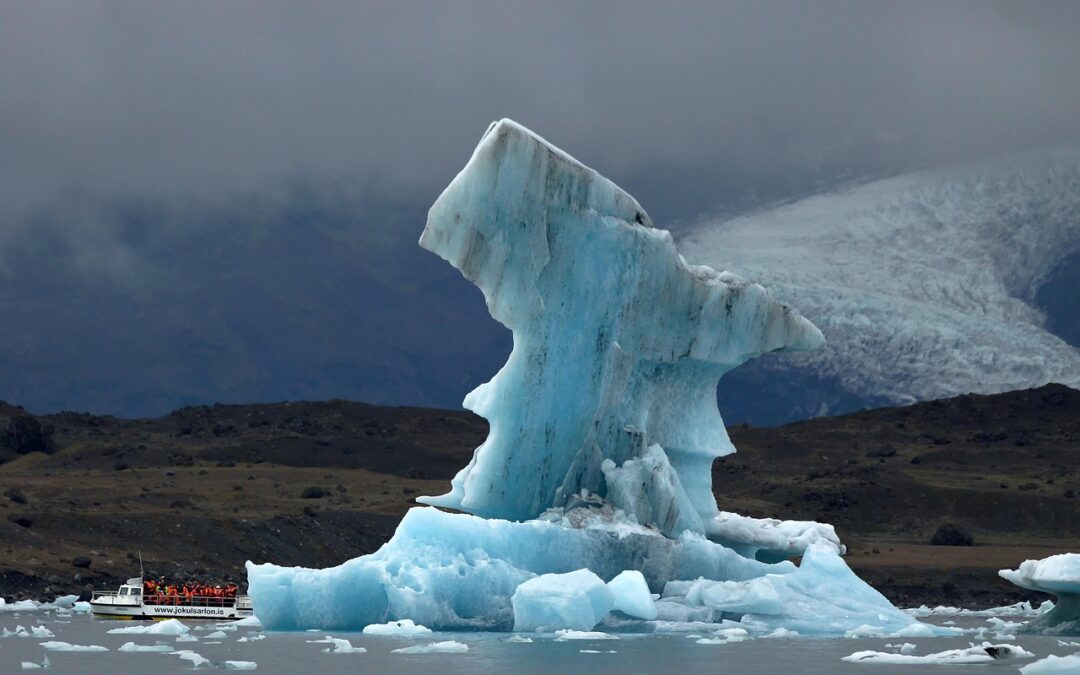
<point>253,638</point>
<point>197,660</point>
<point>724,636</point>
<point>167,627</point>
<point>62,602</point>
<point>1063,665</point>
<point>403,627</point>
<point>187,638</point>
<point>131,647</point>
<point>596,651</point>
<point>30,665</point>
<point>446,647</point>
<point>338,645</point>
<point>782,633</point>
<point>984,653</point>
<point>1025,609</point>
<point>246,622</point>
<point>56,646</point>
<point>226,627</point>
<point>1063,643</point>
<point>563,635</point>
<point>518,638</point>
<point>905,648</point>
<point>1002,629</point>
<point>216,635</point>
<point>81,607</point>
<point>20,606</point>
<point>241,665</point>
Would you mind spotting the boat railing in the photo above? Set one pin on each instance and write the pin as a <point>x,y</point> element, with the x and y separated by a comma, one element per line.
<point>189,600</point>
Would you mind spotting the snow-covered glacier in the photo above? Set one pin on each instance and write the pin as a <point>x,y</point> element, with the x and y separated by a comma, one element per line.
<point>603,430</point>
<point>924,284</point>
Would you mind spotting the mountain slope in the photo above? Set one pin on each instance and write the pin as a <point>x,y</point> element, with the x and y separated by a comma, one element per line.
<point>925,285</point>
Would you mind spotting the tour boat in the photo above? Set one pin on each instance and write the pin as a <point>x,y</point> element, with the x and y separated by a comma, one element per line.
<point>129,603</point>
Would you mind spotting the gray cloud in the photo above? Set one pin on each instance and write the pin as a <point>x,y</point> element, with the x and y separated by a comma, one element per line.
<point>201,100</point>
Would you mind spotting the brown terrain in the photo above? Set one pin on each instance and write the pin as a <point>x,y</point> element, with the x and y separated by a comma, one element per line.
<point>205,488</point>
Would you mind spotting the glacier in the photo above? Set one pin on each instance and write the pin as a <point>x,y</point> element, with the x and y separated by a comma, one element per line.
<point>924,283</point>
<point>603,431</point>
<point>1058,575</point>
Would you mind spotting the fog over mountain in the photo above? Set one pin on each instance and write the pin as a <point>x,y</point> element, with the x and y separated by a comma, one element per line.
<point>205,201</point>
<point>926,285</point>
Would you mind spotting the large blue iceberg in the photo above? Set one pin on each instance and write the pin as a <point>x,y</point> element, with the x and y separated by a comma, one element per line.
<point>603,429</point>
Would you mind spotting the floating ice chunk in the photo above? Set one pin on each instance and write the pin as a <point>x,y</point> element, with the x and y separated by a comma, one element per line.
<point>81,606</point>
<point>984,653</point>
<point>40,632</point>
<point>216,635</point>
<point>252,638</point>
<point>1019,609</point>
<point>19,606</point>
<point>30,665</point>
<point>197,660</point>
<point>782,633</point>
<point>596,651</point>
<point>905,648</point>
<point>166,627</point>
<point>1060,576</point>
<point>241,665</point>
<point>1065,665</point>
<point>724,636</point>
<point>57,646</point>
<point>132,647</point>
<point>402,627</point>
<point>565,635</point>
<point>248,622</point>
<point>632,595</point>
<point>575,600</point>
<point>18,632</point>
<point>338,645</point>
<point>187,638</point>
<point>445,647</point>
<point>1063,643</point>
<point>63,602</point>
<point>518,638</point>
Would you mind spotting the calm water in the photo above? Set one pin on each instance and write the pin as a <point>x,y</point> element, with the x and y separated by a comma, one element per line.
<point>488,652</point>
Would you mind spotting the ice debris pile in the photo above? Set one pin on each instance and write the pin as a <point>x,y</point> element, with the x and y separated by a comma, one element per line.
<point>1057,575</point>
<point>603,431</point>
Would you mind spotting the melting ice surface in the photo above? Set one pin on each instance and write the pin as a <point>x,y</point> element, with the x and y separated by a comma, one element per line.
<point>603,431</point>
<point>1058,575</point>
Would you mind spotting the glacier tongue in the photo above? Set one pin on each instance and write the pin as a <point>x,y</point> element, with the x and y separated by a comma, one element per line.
<point>603,431</point>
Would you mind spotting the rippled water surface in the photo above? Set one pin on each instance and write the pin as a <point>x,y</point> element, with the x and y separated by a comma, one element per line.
<point>488,652</point>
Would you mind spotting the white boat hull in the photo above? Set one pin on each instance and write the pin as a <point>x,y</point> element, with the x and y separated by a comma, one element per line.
<point>120,611</point>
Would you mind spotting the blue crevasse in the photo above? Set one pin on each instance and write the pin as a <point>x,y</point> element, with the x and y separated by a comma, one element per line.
<point>603,423</point>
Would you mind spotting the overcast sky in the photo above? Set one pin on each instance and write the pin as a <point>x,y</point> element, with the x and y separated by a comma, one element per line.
<point>203,100</point>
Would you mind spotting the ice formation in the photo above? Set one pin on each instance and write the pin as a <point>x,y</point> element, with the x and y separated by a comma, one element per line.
<point>444,647</point>
<point>603,430</point>
<point>166,627</point>
<point>1057,575</point>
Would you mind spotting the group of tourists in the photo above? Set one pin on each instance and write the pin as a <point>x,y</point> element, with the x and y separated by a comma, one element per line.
<point>188,593</point>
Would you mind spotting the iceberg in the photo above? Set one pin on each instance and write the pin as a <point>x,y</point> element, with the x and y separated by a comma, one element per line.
<point>603,431</point>
<point>404,627</point>
<point>1058,575</point>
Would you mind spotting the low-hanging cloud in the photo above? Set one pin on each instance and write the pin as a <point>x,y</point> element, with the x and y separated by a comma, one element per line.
<point>200,100</point>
